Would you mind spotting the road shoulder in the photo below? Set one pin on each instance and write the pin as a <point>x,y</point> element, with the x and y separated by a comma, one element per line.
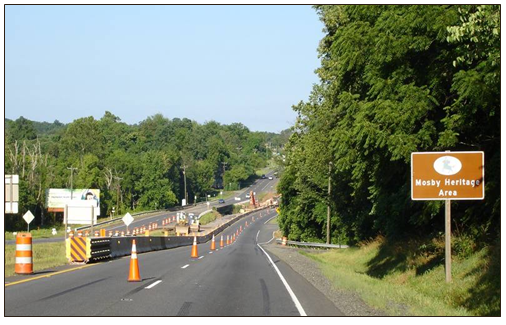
<point>349,303</point>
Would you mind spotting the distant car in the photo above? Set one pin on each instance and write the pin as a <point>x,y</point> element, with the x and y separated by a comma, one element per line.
<point>247,196</point>
<point>237,198</point>
<point>270,177</point>
<point>263,176</point>
<point>221,201</point>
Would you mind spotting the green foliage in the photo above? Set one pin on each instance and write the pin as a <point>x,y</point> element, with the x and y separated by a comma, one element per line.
<point>136,167</point>
<point>389,87</point>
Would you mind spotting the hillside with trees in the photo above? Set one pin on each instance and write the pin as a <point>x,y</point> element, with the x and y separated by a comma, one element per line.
<point>138,167</point>
<point>394,80</point>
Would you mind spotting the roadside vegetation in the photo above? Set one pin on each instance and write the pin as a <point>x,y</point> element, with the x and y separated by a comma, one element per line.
<point>136,167</point>
<point>408,278</point>
<point>397,79</point>
<point>209,217</point>
<point>45,255</point>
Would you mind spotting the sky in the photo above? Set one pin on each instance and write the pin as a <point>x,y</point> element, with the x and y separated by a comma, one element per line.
<point>246,64</point>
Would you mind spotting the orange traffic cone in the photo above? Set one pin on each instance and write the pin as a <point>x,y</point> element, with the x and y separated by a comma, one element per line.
<point>228,240</point>
<point>213,244</point>
<point>195,253</point>
<point>134,275</point>
<point>221,242</point>
<point>233,238</point>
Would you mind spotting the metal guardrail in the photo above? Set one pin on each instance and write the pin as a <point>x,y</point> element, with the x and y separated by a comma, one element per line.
<point>146,212</point>
<point>116,219</point>
<point>319,245</point>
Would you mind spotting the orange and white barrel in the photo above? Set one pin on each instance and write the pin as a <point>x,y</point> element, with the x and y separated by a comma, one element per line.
<point>24,261</point>
<point>284,241</point>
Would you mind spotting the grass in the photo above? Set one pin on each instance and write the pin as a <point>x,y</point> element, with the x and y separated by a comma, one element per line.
<point>274,221</point>
<point>401,279</point>
<point>39,233</point>
<point>45,255</point>
<point>226,195</point>
<point>270,166</point>
<point>209,217</point>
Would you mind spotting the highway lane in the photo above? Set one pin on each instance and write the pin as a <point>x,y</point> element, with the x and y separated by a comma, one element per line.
<point>260,185</point>
<point>237,280</point>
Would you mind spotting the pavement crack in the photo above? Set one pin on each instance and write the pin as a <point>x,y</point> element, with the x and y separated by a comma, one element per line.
<point>72,289</point>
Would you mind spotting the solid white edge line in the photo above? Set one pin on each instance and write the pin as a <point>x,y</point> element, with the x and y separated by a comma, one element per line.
<point>184,267</point>
<point>270,219</point>
<point>292,295</point>
<point>153,284</point>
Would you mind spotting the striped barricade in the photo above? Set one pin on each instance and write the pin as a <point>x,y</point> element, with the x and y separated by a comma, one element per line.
<point>78,251</point>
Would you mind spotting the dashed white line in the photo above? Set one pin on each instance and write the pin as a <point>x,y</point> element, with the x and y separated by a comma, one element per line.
<point>184,267</point>
<point>201,257</point>
<point>153,284</point>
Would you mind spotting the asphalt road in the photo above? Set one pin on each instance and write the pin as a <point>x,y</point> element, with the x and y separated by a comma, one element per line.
<point>238,280</point>
<point>260,185</point>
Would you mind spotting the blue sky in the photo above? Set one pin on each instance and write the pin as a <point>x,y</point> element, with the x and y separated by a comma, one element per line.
<point>245,64</point>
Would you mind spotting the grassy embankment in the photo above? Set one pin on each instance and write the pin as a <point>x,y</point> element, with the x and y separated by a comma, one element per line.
<point>45,255</point>
<point>409,278</point>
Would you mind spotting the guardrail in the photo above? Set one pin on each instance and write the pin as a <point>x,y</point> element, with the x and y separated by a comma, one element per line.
<point>319,245</point>
<point>133,215</point>
<point>178,208</point>
<point>100,248</point>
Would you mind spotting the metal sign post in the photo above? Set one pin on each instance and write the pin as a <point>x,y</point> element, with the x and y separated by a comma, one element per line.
<point>66,217</point>
<point>92,218</point>
<point>458,175</point>
<point>127,220</point>
<point>28,217</point>
<point>448,242</point>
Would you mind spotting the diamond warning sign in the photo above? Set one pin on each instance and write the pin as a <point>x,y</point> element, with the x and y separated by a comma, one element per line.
<point>458,175</point>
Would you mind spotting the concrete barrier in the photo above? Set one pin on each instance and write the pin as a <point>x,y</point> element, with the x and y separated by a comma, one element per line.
<point>112,247</point>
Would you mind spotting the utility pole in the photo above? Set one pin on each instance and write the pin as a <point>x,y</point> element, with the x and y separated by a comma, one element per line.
<point>184,176</point>
<point>328,207</point>
<point>223,177</point>
<point>71,180</point>
<point>117,193</point>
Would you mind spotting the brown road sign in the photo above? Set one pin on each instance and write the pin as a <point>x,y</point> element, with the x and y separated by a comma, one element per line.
<point>458,175</point>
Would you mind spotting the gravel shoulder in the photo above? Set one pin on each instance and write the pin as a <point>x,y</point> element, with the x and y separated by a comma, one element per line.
<point>346,301</point>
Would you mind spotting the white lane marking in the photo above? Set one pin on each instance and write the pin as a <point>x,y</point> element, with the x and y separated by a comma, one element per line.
<point>201,257</point>
<point>184,267</point>
<point>256,239</point>
<point>210,252</point>
<point>153,284</point>
<point>269,240</point>
<point>270,219</point>
<point>290,292</point>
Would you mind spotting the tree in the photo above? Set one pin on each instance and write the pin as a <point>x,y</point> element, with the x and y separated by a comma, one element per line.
<point>393,80</point>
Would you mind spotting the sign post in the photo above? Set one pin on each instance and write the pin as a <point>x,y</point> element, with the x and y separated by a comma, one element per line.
<point>458,175</point>
<point>28,217</point>
<point>127,219</point>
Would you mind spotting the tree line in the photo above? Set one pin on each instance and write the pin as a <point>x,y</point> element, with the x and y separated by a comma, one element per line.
<point>394,79</point>
<point>136,167</point>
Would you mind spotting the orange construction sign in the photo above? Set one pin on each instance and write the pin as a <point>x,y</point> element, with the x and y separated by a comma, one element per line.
<point>458,175</point>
